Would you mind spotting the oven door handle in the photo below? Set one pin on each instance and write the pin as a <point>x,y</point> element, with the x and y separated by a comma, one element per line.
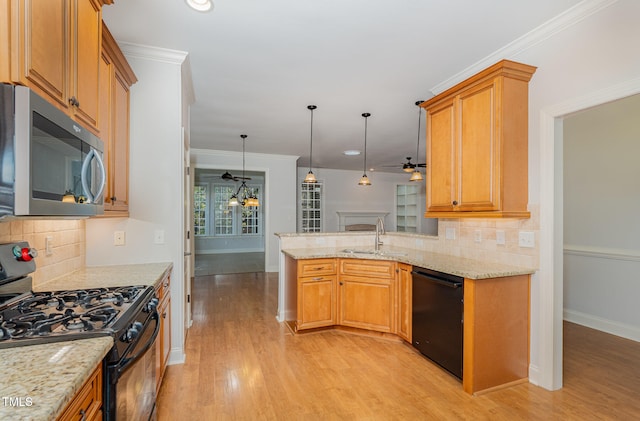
<point>126,362</point>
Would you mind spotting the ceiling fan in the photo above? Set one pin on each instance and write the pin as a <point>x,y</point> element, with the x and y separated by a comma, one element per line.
<point>227,176</point>
<point>407,166</point>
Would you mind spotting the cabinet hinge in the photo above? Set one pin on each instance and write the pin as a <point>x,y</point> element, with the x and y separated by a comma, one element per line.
<point>188,298</point>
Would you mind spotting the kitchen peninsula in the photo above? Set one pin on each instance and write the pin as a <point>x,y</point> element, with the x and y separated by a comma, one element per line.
<point>330,280</point>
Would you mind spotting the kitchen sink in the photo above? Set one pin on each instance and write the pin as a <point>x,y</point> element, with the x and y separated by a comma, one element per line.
<point>379,253</point>
<point>354,251</point>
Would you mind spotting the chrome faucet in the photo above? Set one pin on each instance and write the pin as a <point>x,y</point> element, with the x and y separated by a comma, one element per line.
<point>379,231</point>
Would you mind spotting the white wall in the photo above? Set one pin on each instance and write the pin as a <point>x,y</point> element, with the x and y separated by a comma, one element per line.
<point>601,208</point>
<point>279,203</point>
<point>342,193</point>
<point>155,179</point>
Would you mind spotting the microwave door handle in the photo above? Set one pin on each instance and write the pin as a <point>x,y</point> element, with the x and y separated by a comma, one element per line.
<point>83,176</point>
<point>103,176</point>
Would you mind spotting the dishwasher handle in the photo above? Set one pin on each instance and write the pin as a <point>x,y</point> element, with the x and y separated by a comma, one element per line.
<point>451,283</point>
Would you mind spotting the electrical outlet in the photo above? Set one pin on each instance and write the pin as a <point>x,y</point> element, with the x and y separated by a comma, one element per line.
<point>450,233</point>
<point>500,238</point>
<point>158,237</point>
<point>526,239</point>
<point>477,236</point>
<point>48,245</point>
<point>118,238</point>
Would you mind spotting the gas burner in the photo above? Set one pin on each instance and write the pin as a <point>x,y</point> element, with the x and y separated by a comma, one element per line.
<point>77,323</point>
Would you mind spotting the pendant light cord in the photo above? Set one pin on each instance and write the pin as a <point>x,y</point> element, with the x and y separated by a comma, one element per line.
<point>366,117</point>
<point>311,107</point>
<point>418,144</point>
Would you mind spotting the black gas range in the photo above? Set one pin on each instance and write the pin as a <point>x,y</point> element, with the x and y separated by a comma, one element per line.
<point>128,314</point>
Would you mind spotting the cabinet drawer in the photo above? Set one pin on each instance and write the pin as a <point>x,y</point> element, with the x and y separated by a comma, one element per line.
<point>368,268</point>
<point>162,289</point>
<point>314,267</point>
<point>87,403</point>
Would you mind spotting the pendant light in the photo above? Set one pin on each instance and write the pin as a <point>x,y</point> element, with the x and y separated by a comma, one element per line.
<point>416,175</point>
<point>247,200</point>
<point>364,180</point>
<point>311,178</point>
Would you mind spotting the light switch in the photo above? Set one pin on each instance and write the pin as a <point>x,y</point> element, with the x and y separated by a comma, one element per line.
<point>48,245</point>
<point>500,238</point>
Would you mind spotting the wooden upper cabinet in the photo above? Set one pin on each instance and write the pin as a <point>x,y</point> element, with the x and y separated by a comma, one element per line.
<point>477,145</point>
<point>116,77</point>
<point>53,47</point>
<point>86,39</point>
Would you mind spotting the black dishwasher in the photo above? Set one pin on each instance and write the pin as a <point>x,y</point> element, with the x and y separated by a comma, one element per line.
<point>438,317</point>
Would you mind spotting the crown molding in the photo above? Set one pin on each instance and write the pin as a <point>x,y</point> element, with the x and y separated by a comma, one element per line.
<point>146,52</point>
<point>553,26</point>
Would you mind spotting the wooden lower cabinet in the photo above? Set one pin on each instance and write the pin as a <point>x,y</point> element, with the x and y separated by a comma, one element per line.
<point>163,342</point>
<point>316,301</point>
<point>366,294</point>
<point>404,290</point>
<point>87,403</point>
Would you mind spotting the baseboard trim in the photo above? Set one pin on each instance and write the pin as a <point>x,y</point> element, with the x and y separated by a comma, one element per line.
<point>608,326</point>
<point>227,251</point>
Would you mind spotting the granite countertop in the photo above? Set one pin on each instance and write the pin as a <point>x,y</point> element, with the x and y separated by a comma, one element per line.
<point>38,381</point>
<point>467,268</point>
<point>109,276</point>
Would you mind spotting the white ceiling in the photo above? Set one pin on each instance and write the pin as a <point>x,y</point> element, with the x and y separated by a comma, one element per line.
<point>257,64</point>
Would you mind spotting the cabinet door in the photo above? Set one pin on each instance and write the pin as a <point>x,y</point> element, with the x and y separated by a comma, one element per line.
<point>478,149</point>
<point>316,302</point>
<point>404,301</point>
<point>118,199</point>
<point>86,37</point>
<point>441,171</point>
<point>40,47</point>
<point>366,303</point>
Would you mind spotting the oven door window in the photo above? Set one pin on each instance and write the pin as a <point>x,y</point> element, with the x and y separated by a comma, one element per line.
<point>56,162</point>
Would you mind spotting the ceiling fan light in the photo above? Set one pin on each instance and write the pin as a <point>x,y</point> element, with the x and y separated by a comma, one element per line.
<point>407,168</point>
<point>364,180</point>
<point>310,178</point>
<point>416,176</point>
<point>233,201</point>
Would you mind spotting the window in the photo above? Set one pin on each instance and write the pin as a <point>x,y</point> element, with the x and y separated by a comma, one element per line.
<point>251,215</point>
<point>311,207</point>
<point>222,212</point>
<point>225,219</point>
<point>407,208</point>
<point>200,210</point>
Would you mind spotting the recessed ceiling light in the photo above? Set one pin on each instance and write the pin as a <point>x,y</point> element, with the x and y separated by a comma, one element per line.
<point>200,5</point>
<point>351,152</point>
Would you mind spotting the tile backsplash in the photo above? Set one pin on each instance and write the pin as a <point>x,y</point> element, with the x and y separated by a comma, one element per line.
<point>67,244</point>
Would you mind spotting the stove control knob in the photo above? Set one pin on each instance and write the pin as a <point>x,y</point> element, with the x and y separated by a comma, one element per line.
<point>151,305</point>
<point>133,332</point>
<point>24,254</point>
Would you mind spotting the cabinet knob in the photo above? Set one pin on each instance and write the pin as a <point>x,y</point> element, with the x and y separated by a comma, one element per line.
<point>113,198</point>
<point>341,283</point>
<point>455,203</point>
<point>73,101</point>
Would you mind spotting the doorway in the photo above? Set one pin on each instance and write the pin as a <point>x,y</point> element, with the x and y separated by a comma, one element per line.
<point>228,238</point>
<point>550,276</point>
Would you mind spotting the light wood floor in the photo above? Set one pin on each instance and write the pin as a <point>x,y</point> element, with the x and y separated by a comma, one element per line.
<point>243,365</point>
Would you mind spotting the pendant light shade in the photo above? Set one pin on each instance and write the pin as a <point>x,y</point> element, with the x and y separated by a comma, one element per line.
<point>364,180</point>
<point>416,175</point>
<point>247,200</point>
<point>311,178</point>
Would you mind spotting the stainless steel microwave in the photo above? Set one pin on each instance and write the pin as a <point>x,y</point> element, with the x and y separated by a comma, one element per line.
<point>50,166</point>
